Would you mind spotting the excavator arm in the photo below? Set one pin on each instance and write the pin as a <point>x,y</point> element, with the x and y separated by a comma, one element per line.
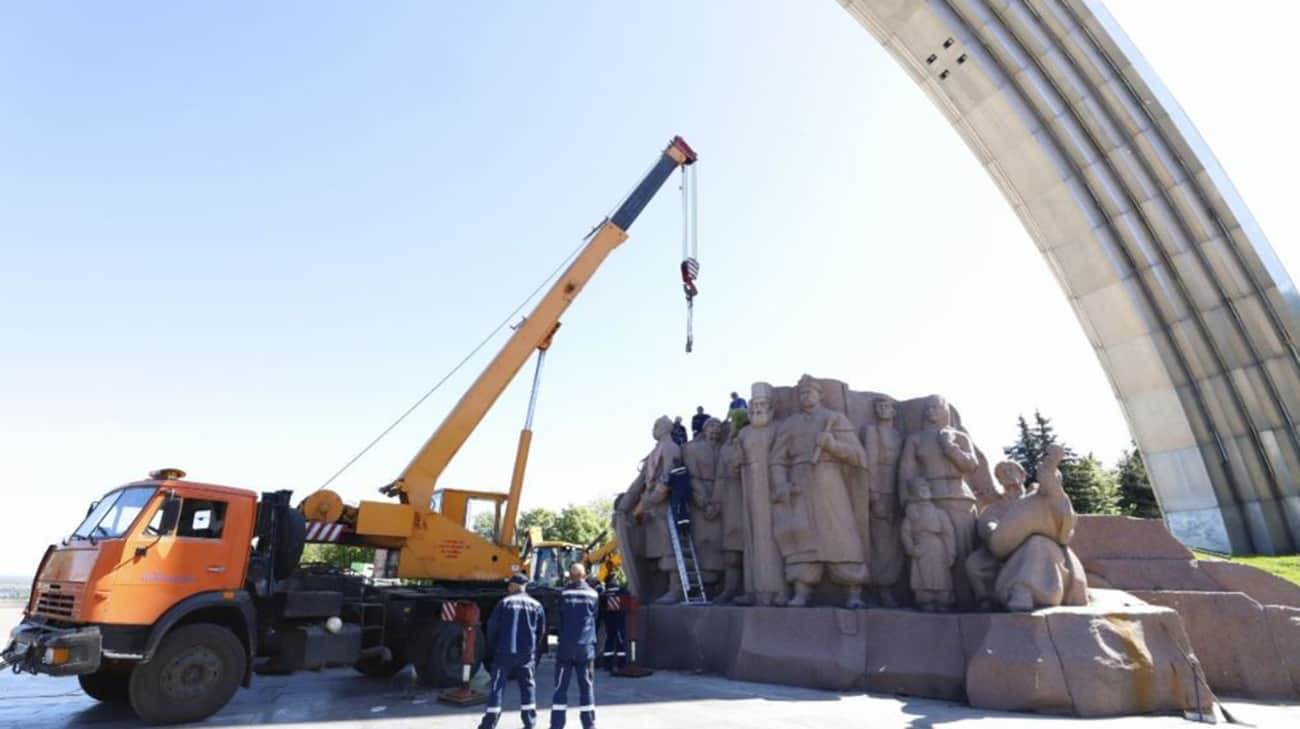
<point>416,484</point>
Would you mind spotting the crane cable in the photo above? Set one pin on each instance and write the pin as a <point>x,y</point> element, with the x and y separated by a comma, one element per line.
<point>504,323</point>
<point>690,268</point>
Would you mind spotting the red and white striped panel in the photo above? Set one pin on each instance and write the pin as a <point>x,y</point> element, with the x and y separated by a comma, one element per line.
<point>324,531</point>
<point>449,612</point>
<point>614,604</point>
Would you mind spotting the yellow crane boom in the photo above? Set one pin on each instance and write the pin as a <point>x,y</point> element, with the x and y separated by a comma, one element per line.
<point>437,547</point>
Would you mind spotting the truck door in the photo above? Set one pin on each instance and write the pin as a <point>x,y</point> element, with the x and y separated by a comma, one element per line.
<point>200,555</point>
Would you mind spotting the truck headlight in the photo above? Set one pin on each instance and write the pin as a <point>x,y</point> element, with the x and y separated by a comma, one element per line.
<point>56,656</point>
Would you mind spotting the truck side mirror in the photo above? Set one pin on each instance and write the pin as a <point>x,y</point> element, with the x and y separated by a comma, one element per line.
<point>171,514</point>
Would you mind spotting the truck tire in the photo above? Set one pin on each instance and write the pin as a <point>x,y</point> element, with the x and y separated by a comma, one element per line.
<point>437,653</point>
<point>109,687</point>
<point>194,672</point>
<point>290,540</point>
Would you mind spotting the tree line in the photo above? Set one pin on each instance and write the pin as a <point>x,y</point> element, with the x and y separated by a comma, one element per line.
<point>1121,490</point>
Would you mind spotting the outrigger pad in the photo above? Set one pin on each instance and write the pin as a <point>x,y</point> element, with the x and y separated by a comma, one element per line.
<point>463,696</point>
<point>632,672</point>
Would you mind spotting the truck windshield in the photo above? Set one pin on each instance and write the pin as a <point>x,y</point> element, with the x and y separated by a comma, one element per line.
<point>115,513</point>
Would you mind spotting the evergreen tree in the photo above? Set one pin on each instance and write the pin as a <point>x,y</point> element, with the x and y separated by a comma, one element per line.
<point>1136,497</point>
<point>1029,448</point>
<point>1092,488</point>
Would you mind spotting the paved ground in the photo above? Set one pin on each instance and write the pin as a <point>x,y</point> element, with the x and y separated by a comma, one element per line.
<point>665,700</point>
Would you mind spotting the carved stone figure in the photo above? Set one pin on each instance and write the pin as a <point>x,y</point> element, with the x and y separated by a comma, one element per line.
<point>981,566</point>
<point>812,461</point>
<point>883,444</point>
<point>763,566</point>
<point>652,509</point>
<point>944,456</point>
<point>1032,537</point>
<point>928,536</point>
<point>728,500</point>
<point>701,459</point>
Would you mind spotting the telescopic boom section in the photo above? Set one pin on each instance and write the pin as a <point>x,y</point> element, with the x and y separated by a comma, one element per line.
<point>417,483</point>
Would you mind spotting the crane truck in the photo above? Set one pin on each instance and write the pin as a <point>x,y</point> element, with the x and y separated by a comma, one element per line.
<point>172,593</point>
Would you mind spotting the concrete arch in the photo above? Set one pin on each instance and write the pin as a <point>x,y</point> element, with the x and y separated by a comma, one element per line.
<point>1191,314</point>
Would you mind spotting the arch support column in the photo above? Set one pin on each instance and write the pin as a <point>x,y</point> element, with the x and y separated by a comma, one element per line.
<point>1187,307</point>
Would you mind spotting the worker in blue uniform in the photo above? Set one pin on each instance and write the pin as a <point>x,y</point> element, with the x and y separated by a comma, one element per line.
<point>516,634</point>
<point>576,653</point>
<point>615,619</point>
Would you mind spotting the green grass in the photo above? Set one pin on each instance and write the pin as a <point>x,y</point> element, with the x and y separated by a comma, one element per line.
<point>1288,568</point>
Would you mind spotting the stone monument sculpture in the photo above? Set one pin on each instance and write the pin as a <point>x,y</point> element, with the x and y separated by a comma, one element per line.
<point>981,566</point>
<point>944,456</point>
<point>883,443</point>
<point>812,464</point>
<point>764,568</point>
<point>930,541</point>
<point>1032,536</point>
<point>701,459</point>
<point>652,509</point>
<point>729,502</point>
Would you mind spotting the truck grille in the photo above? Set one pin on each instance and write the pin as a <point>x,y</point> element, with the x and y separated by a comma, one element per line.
<point>56,604</point>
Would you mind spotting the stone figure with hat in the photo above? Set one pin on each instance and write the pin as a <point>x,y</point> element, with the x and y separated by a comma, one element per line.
<point>764,569</point>
<point>813,463</point>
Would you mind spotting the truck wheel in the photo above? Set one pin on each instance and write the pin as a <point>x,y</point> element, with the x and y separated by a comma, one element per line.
<point>194,672</point>
<point>109,687</point>
<point>437,653</point>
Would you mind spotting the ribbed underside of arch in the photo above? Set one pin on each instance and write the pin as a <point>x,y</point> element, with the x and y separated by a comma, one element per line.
<point>1188,309</point>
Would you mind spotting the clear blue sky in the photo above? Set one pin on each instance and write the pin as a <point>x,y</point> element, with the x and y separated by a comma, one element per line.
<point>240,238</point>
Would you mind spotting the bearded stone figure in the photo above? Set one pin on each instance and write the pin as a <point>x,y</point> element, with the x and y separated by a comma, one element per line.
<point>701,459</point>
<point>944,456</point>
<point>763,566</point>
<point>653,511</point>
<point>879,521</point>
<point>813,461</point>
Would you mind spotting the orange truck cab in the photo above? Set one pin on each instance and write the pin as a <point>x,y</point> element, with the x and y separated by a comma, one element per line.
<point>171,594</point>
<point>148,558</point>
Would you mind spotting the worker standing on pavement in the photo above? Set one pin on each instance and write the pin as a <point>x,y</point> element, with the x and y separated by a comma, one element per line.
<point>576,653</point>
<point>615,653</point>
<point>516,633</point>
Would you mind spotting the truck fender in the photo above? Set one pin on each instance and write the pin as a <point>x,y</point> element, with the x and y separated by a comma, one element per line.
<point>232,609</point>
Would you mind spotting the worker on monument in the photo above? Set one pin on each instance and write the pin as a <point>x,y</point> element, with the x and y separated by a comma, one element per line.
<point>737,411</point>
<point>679,431</point>
<point>944,456</point>
<point>576,652</point>
<point>614,618</point>
<point>515,634</point>
<point>697,421</point>
<point>812,461</point>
